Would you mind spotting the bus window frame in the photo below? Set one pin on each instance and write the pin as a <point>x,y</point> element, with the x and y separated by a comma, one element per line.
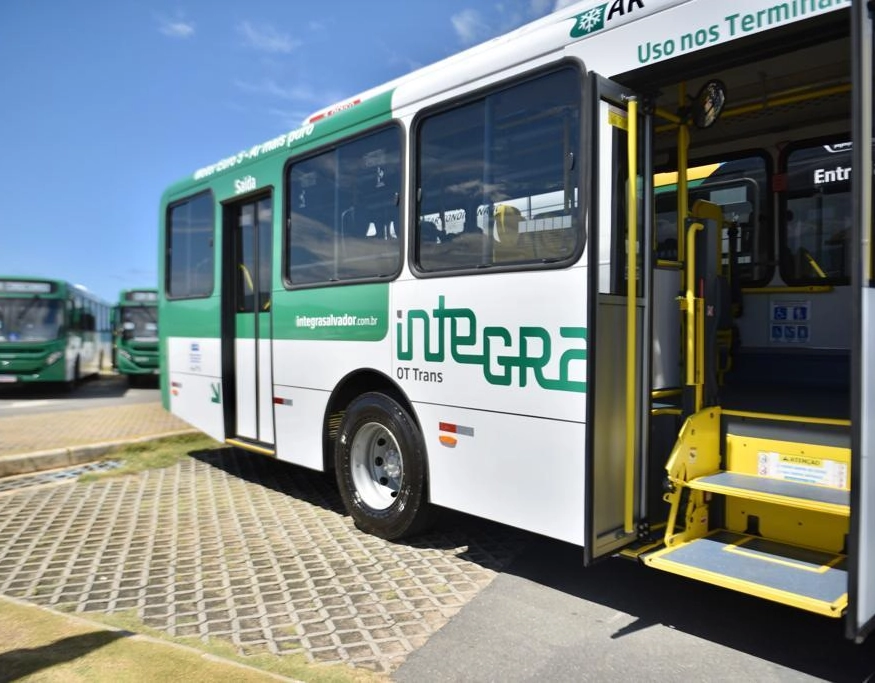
<point>333,146</point>
<point>767,219</point>
<point>580,173</point>
<point>168,246</point>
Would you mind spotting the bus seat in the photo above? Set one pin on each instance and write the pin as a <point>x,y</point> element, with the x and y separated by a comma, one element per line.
<point>506,244</point>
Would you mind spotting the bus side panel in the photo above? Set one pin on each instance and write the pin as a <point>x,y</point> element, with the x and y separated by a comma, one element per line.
<point>195,383</point>
<point>496,366</point>
<point>523,471</point>
<point>306,372</point>
<point>299,416</point>
<point>512,343</point>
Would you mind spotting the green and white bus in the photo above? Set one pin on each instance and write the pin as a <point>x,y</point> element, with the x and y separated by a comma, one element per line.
<point>51,331</point>
<point>607,278</point>
<point>135,333</point>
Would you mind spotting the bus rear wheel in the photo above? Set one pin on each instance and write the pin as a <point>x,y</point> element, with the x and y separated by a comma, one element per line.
<point>380,464</point>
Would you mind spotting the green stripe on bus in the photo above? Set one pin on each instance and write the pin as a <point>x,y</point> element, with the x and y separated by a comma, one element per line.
<point>350,313</point>
<point>266,157</point>
<point>191,317</point>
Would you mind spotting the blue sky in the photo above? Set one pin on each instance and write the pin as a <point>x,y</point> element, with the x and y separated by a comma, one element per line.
<point>106,102</point>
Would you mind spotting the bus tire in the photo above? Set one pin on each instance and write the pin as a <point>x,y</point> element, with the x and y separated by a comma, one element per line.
<point>381,468</point>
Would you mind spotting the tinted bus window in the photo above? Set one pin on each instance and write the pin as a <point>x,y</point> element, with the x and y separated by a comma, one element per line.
<point>345,212</point>
<point>497,178</point>
<point>816,220</point>
<point>740,188</point>
<point>190,248</point>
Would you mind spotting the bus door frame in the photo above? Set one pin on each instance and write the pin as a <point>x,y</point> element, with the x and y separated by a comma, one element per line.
<point>860,619</point>
<point>247,351</point>
<point>619,383</point>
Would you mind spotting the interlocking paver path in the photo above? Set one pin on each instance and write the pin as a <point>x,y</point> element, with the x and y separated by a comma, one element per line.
<point>238,547</point>
<point>28,433</point>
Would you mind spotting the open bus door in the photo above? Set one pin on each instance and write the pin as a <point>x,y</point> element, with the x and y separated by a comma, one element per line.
<point>619,318</point>
<point>861,590</point>
<point>248,358</point>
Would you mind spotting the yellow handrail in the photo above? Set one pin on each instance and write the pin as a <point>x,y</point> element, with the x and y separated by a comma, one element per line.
<point>695,332</point>
<point>631,313</point>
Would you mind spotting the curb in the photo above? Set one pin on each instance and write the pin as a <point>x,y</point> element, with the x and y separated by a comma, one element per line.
<point>56,458</point>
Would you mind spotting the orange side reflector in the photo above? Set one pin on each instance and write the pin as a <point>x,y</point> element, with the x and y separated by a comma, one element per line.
<point>449,441</point>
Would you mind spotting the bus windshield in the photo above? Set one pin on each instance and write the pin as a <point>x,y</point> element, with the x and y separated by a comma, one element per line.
<point>30,319</point>
<point>140,323</point>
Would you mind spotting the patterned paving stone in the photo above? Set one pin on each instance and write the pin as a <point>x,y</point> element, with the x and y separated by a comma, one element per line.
<point>28,433</point>
<point>54,476</point>
<point>238,547</point>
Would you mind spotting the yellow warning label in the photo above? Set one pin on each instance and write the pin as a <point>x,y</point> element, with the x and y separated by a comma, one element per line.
<point>801,460</point>
<point>803,469</point>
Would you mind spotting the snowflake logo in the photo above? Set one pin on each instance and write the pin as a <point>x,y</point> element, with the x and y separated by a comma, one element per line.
<point>589,22</point>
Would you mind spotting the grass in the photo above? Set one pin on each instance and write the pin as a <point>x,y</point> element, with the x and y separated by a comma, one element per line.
<point>292,665</point>
<point>151,455</point>
<point>39,645</point>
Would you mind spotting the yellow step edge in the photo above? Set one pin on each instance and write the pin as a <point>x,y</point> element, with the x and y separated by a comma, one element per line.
<point>250,447</point>
<point>829,609</point>
<point>775,417</point>
<point>800,503</point>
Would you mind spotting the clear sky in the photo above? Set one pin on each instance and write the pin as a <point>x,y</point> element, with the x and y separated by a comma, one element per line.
<point>107,102</point>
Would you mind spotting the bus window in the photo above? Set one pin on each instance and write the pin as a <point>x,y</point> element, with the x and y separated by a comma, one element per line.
<point>498,178</point>
<point>190,253</point>
<point>344,212</point>
<point>816,215</point>
<point>739,186</point>
<point>30,318</point>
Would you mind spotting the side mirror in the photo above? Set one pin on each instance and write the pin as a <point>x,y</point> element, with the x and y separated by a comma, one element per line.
<point>708,104</point>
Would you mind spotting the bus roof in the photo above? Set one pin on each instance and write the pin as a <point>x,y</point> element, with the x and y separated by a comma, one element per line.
<point>34,285</point>
<point>550,35</point>
<point>588,16</point>
<point>138,296</point>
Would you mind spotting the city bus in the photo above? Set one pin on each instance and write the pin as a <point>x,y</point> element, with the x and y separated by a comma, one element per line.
<point>135,333</point>
<point>51,331</point>
<point>607,278</point>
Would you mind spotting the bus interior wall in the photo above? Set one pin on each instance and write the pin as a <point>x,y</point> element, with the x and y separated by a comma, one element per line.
<point>776,98</point>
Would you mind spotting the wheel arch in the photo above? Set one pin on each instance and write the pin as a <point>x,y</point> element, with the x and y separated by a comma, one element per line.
<point>348,388</point>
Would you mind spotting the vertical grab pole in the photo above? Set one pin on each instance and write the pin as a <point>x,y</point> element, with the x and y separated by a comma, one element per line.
<point>682,196</point>
<point>631,314</point>
<point>695,317</point>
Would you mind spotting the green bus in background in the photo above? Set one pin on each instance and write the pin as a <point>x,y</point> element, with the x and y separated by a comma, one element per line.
<point>135,333</point>
<point>51,331</point>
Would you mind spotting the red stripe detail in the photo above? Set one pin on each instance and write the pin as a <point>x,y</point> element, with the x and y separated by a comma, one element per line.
<point>447,427</point>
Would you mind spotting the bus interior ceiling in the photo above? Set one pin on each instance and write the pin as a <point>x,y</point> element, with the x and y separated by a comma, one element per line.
<point>780,89</point>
